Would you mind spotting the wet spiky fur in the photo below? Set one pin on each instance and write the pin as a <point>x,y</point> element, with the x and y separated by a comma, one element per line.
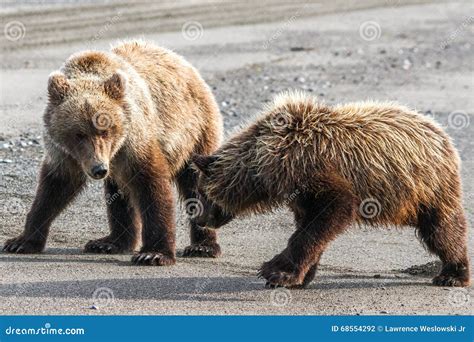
<point>305,154</point>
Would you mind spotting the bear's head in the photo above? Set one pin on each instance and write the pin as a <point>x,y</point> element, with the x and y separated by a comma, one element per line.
<point>211,215</point>
<point>87,118</point>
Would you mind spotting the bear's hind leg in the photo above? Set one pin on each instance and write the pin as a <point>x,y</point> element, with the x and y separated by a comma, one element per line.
<point>122,222</point>
<point>446,236</point>
<point>203,240</point>
<point>319,220</point>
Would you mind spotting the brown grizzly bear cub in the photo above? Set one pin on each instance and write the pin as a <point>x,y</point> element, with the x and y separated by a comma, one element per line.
<point>133,116</point>
<point>373,163</point>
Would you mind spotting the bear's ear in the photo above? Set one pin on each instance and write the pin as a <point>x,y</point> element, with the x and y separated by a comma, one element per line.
<point>202,162</point>
<point>115,86</point>
<point>58,87</point>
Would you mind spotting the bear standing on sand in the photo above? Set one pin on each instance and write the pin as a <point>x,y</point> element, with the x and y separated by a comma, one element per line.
<point>373,163</point>
<point>132,116</point>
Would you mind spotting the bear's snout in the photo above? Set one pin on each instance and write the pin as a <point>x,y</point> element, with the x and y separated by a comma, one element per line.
<point>99,171</point>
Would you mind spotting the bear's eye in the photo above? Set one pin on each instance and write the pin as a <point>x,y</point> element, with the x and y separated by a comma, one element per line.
<point>80,136</point>
<point>104,134</point>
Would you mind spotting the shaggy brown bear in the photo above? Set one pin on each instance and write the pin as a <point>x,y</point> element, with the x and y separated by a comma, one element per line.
<point>133,116</point>
<point>372,163</point>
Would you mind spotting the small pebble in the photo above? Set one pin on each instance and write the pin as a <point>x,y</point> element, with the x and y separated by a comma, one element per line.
<point>297,48</point>
<point>407,64</point>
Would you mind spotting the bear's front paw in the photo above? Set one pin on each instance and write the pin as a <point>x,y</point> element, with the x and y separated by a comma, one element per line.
<point>103,246</point>
<point>282,279</point>
<point>280,272</point>
<point>451,280</point>
<point>212,250</point>
<point>152,259</point>
<point>22,245</point>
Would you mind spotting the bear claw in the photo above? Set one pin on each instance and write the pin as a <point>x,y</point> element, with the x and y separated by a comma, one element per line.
<point>450,280</point>
<point>102,247</point>
<point>281,279</point>
<point>152,259</point>
<point>22,246</point>
<point>202,251</point>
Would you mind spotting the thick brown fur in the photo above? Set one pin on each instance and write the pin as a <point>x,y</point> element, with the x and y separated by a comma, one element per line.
<point>368,162</point>
<point>133,116</point>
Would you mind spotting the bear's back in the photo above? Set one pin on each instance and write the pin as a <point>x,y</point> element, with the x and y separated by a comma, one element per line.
<point>383,150</point>
<point>186,110</point>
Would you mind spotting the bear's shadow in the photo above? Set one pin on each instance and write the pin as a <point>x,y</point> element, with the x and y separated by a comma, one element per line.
<point>173,288</point>
<point>176,288</point>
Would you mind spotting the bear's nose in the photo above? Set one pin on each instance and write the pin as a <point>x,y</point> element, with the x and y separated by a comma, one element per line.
<point>99,171</point>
